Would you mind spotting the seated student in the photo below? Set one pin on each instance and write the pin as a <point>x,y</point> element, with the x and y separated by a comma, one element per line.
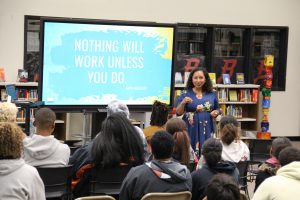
<point>118,106</point>
<point>82,155</point>
<point>17,179</point>
<point>183,152</point>
<point>211,151</point>
<point>223,187</point>
<point>42,149</point>
<point>117,144</point>
<point>158,119</point>
<point>8,112</point>
<point>270,166</point>
<point>285,185</point>
<point>234,149</point>
<point>162,174</point>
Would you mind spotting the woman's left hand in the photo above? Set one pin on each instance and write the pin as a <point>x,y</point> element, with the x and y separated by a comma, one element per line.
<point>214,113</point>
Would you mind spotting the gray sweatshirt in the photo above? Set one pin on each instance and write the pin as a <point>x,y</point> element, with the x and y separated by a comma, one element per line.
<point>19,181</point>
<point>45,151</point>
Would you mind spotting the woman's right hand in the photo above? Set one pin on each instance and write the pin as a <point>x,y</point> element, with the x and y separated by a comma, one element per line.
<point>187,100</point>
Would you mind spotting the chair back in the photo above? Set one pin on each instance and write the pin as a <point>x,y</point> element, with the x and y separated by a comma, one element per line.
<point>243,170</point>
<point>57,181</point>
<point>107,181</point>
<point>259,150</point>
<point>185,195</point>
<point>104,197</point>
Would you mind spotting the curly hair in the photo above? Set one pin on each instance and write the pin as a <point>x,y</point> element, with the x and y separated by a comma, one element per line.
<point>223,186</point>
<point>212,151</point>
<point>162,145</point>
<point>207,87</point>
<point>159,115</point>
<point>229,127</point>
<point>11,137</point>
<point>8,112</point>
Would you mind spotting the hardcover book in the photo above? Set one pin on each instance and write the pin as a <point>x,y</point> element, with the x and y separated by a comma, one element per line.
<point>233,95</point>
<point>226,79</point>
<point>254,95</point>
<point>240,79</point>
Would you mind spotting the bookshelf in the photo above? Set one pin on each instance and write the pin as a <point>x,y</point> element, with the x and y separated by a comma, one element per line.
<point>28,92</point>
<point>245,106</point>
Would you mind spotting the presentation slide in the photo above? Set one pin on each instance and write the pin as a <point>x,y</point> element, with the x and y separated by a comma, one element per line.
<point>92,64</point>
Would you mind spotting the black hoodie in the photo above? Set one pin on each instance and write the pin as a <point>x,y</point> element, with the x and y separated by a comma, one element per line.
<point>155,176</point>
<point>201,177</point>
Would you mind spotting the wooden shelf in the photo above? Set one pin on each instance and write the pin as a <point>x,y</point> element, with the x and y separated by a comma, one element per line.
<point>20,84</point>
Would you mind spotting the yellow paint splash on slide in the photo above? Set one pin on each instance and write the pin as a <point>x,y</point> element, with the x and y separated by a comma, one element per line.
<point>166,34</point>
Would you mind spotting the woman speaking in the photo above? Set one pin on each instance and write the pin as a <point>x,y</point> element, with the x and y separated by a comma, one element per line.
<point>199,106</point>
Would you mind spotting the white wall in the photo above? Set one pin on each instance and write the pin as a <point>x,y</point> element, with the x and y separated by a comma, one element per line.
<point>285,112</point>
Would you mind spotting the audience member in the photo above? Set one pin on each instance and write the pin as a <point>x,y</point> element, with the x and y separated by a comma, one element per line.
<point>117,144</point>
<point>270,166</point>
<point>118,106</point>
<point>223,187</point>
<point>234,149</point>
<point>285,185</point>
<point>159,117</point>
<point>17,179</point>
<point>8,112</point>
<point>82,156</point>
<point>162,174</point>
<point>42,149</point>
<point>183,152</point>
<point>211,151</point>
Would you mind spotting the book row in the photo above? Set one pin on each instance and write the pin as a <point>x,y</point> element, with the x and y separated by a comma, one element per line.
<point>22,94</point>
<point>237,95</point>
<point>236,111</point>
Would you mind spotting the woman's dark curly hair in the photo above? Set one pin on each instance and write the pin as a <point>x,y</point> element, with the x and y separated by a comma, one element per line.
<point>207,87</point>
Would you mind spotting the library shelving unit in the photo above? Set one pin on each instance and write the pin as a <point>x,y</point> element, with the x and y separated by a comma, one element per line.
<point>27,92</point>
<point>241,101</point>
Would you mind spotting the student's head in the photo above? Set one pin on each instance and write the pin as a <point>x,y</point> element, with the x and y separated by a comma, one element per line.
<point>8,112</point>
<point>11,145</point>
<point>199,73</point>
<point>159,115</point>
<point>229,128</point>
<point>177,128</point>
<point>288,155</point>
<point>212,151</point>
<point>162,145</point>
<point>223,186</point>
<point>117,106</point>
<point>175,124</point>
<point>44,120</point>
<point>278,144</point>
<point>118,142</point>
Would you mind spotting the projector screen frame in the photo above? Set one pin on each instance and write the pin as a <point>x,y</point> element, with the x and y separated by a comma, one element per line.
<point>102,107</point>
